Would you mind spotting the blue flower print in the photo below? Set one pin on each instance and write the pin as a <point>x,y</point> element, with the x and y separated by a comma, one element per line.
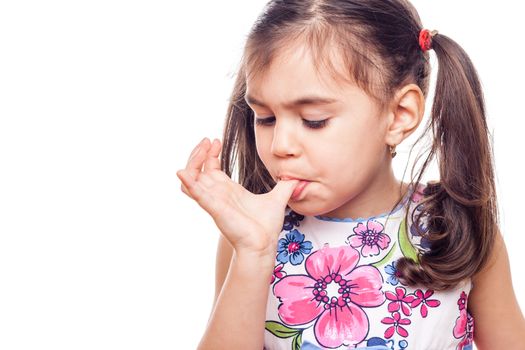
<point>425,242</point>
<point>292,247</point>
<point>380,343</point>
<point>391,270</point>
<point>291,220</point>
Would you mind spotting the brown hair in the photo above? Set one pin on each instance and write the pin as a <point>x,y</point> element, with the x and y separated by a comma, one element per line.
<point>378,42</point>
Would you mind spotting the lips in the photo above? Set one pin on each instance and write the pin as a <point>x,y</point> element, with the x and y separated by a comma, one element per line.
<point>299,189</point>
<point>290,177</point>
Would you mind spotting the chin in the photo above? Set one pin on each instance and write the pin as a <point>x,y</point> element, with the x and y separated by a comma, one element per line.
<point>306,209</point>
<point>315,207</point>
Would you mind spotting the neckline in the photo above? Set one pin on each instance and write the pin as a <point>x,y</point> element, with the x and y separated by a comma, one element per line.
<point>360,219</point>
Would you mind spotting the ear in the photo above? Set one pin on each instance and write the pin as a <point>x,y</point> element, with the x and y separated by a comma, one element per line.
<point>406,112</point>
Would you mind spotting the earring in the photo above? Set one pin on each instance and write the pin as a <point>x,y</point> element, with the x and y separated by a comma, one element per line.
<point>393,151</point>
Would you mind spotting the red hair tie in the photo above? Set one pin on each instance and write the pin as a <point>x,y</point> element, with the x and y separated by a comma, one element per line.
<point>425,39</point>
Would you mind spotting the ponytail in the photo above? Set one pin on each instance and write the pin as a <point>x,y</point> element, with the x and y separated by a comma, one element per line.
<point>461,208</point>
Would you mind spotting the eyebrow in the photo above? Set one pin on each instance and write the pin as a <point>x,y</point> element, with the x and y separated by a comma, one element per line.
<point>302,101</point>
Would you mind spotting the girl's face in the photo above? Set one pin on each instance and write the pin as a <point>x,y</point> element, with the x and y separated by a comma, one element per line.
<point>329,134</point>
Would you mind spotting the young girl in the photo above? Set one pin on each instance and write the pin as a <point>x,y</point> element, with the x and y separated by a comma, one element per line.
<point>321,246</point>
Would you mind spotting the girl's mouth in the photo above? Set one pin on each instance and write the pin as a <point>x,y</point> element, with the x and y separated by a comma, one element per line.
<point>296,195</point>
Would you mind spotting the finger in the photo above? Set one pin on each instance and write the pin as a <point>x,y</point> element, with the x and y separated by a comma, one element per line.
<point>196,161</point>
<point>203,182</point>
<point>197,192</point>
<point>212,159</point>
<point>196,148</point>
<point>189,186</point>
<point>184,190</point>
<point>183,187</point>
<point>283,190</point>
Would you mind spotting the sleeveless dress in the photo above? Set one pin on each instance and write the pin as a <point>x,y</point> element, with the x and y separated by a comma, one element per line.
<point>334,286</point>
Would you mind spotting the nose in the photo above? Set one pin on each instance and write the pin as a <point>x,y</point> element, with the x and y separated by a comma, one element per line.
<point>285,141</point>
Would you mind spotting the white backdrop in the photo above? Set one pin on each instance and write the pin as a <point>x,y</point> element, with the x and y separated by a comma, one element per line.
<point>101,103</point>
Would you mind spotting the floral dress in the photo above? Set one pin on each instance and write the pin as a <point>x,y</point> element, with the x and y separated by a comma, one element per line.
<point>334,286</point>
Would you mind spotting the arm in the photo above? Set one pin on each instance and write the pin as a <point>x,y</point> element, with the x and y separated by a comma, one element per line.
<point>238,316</point>
<point>222,266</point>
<point>498,321</point>
<point>250,223</point>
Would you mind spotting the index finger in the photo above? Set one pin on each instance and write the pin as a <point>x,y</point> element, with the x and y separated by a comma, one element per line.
<point>197,158</point>
<point>195,163</point>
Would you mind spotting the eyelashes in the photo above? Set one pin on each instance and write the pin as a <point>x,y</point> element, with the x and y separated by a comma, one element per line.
<point>312,124</point>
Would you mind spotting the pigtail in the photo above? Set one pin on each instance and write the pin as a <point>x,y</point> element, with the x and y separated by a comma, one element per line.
<point>461,208</point>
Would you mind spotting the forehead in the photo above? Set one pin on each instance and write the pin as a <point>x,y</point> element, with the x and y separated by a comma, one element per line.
<point>294,73</point>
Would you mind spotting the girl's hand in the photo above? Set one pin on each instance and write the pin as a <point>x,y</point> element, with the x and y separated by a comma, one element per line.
<point>250,222</point>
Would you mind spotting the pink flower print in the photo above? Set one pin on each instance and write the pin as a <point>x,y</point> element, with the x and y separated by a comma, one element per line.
<point>424,301</point>
<point>333,293</point>
<point>278,272</point>
<point>462,301</point>
<point>370,237</point>
<point>400,301</point>
<point>464,327</point>
<point>396,325</point>
<point>418,194</point>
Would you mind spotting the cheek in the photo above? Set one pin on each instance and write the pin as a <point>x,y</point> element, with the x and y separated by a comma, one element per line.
<point>348,158</point>
<point>338,151</point>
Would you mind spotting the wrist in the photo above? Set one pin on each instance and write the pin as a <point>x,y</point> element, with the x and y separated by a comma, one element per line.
<point>262,258</point>
<point>265,249</point>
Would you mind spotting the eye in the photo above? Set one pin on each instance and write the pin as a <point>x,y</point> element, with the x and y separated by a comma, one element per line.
<point>315,124</point>
<point>264,121</point>
<point>312,124</point>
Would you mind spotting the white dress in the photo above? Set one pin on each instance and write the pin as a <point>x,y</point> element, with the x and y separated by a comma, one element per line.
<point>334,287</point>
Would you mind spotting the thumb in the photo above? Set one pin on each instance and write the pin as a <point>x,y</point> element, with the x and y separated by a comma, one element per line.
<point>283,190</point>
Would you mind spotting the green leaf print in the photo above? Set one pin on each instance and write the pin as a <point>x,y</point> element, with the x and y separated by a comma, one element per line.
<point>297,341</point>
<point>280,330</point>
<point>387,257</point>
<point>406,246</point>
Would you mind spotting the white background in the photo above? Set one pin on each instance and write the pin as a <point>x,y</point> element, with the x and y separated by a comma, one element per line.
<point>101,103</point>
